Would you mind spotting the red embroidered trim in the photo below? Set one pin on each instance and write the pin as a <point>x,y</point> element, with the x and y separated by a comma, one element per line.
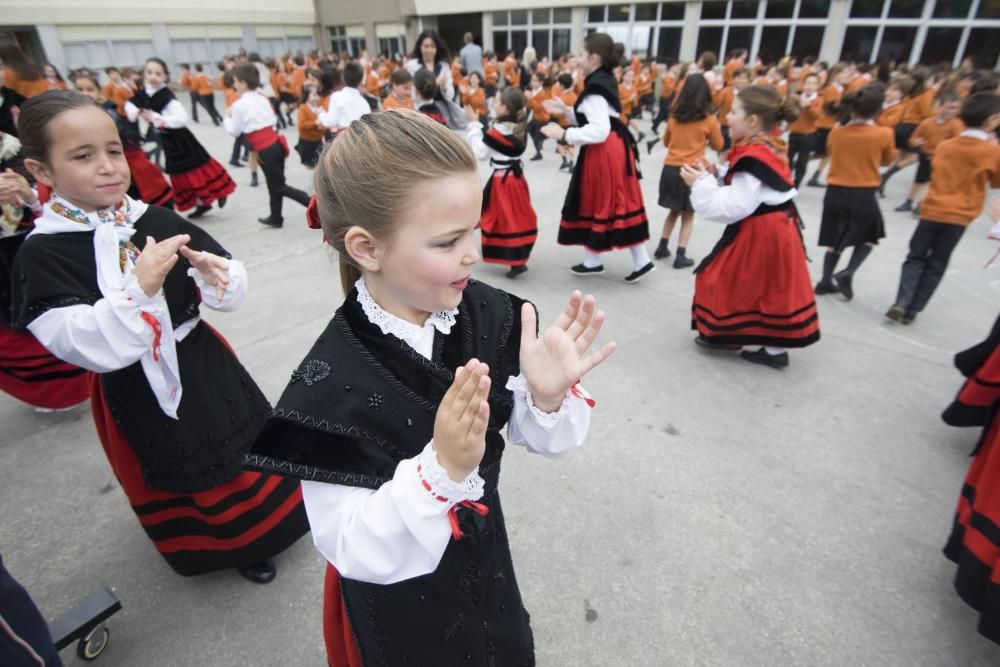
<point>157,332</point>
<point>575,390</point>
<point>456,529</point>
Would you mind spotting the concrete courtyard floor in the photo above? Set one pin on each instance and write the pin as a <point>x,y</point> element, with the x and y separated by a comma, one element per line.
<point>720,513</point>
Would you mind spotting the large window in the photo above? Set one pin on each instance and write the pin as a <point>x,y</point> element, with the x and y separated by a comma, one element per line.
<point>769,30</point>
<point>895,30</point>
<point>347,39</point>
<point>647,29</point>
<point>548,31</point>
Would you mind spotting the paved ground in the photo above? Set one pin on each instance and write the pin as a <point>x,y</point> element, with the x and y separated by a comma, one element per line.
<point>720,513</point>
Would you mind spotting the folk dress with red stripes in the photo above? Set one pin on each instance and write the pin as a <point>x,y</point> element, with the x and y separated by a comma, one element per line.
<point>980,364</point>
<point>509,225</point>
<point>754,288</point>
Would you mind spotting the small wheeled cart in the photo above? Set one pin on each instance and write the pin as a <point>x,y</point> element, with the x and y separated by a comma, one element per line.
<point>85,624</point>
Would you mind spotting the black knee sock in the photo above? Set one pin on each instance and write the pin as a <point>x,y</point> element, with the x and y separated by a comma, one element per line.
<point>858,257</point>
<point>888,173</point>
<point>829,264</point>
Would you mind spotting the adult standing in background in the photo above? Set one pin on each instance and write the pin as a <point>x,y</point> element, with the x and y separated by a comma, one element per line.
<point>471,55</point>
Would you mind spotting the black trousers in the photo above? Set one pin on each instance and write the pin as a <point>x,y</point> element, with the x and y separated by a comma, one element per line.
<point>195,99</point>
<point>209,103</point>
<point>24,634</point>
<point>240,145</point>
<point>930,249</point>
<point>535,132</point>
<point>799,148</point>
<point>272,161</point>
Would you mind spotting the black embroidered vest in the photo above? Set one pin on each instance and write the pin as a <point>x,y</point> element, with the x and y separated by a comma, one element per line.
<point>361,402</point>
<point>221,409</point>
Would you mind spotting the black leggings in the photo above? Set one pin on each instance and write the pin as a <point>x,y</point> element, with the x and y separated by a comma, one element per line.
<point>535,132</point>
<point>799,149</point>
<point>272,161</point>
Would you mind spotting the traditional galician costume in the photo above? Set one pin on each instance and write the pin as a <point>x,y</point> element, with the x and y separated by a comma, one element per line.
<point>420,566</point>
<point>754,288</point>
<point>197,179</point>
<point>509,225</point>
<point>175,410</point>
<point>148,183</point>
<point>604,208</point>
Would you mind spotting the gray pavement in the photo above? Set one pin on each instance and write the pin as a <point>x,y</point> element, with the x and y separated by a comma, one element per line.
<point>720,513</point>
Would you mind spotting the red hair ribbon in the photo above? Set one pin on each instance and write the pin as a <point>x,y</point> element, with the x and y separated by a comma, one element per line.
<point>157,332</point>
<point>575,390</point>
<point>312,214</point>
<point>456,529</point>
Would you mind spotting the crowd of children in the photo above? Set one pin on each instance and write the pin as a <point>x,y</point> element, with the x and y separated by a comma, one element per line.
<point>104,281</point>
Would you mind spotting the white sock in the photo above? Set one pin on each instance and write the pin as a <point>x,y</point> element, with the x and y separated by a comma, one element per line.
<point>774,351</point>
<point>591,259</point>
<point>640,256</point>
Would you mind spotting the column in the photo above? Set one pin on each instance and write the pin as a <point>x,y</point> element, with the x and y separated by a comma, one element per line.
<point>689,36</point>
<point>48,35</point>
<point>836,26</point>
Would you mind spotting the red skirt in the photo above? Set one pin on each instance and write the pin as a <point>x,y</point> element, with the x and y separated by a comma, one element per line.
<point>244,521</point>
<point>148,180</point>
<point>30,373</point>
<point>201,186</point>
<point>604,208</point>
<point>975,538</point>
<point>508,224</point>
<point>755,289</point>
<point>341,647</point>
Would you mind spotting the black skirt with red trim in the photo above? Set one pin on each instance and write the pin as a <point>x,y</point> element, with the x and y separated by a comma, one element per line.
<point>604,208</point>
<point>755,288</point>
<point>30,373</point>
<point>980,364</point>
<point>509,225</point>
<point>148,183</point>
<point>974,544</point>
<point>251,517</point>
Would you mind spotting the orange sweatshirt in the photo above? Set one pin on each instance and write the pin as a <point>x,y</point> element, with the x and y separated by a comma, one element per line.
<point>202,84</point>
<point>856,151</point>
<point>629,97</point>
<point>890,116</point>
<point>933,133</point>
<point>475,99</point>
<point>806,122</point>
<point>723,101</point>
<point>686,142</point>
<point>537,105</point>
<point>920,107</point>
<point>393,102</point>
<point>963,168</point>
<point>831,94</point>
<point>309,130</point>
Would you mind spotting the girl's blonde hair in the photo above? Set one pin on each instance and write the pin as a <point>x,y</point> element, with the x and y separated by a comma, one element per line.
<point>366,175</point>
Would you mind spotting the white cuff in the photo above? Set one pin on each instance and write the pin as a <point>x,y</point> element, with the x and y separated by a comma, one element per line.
<point>155,304</point>
<point>436,482</point>
<point>519,385</point>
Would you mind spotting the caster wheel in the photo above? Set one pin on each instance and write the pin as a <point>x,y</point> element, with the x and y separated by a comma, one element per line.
<point>93,645</point>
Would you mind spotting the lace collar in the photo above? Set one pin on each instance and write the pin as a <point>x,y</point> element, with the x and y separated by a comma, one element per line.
<point>443,320</point>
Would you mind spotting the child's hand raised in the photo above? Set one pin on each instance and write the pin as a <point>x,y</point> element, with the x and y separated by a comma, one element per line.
<point>555,362</point>
<point>460,423</point>
<point>155,262</point>
<point>214,269</point>
<point>691,173</point>
<point>470,113</point>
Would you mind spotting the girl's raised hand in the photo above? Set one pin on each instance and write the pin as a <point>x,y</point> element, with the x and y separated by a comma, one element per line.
<point>461,419</point>
<point>470,113</point>
<point>155,262</point>
<point>214,269</point>
<point>555,106</point>
<point>691,173</point>
<point>558,359</point>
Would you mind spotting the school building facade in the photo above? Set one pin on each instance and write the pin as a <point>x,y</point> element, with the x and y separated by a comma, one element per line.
<point>70,34</point>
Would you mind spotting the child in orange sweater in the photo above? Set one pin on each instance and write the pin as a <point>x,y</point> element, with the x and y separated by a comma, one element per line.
<point>851,216</point>
<point>692,125</point>
<point>926,138</point>
<point>964,167</point>
<point>310,131</point>
<point>401,94</point>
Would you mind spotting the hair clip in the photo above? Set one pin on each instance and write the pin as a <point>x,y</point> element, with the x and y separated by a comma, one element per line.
<point>312,214</point>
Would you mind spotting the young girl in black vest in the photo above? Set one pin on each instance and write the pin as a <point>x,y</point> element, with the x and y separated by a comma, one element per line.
<point>198,180</point>
<point>754,288</point>
<point>174,409</point>
<point>604,208</point>
<point>509,224</point>
<point>393,419</point>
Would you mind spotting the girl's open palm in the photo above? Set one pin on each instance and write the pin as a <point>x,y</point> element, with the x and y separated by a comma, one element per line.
<point>558,359</point>
<point>214,269</point>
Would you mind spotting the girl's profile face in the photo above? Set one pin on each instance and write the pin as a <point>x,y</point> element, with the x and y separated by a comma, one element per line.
<point>154,75</point>
<point>589,62</point>
<point>740,125</point>
<point>85,164</point>
<point>426,264</point>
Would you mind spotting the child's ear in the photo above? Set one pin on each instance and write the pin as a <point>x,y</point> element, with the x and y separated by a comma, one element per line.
<point>362,247</point>
<point>40,171</point>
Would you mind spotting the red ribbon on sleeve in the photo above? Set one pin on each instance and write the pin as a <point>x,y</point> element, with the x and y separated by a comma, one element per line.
<point>456,529</point>
<point>575,390</point>
<point>154,324</point>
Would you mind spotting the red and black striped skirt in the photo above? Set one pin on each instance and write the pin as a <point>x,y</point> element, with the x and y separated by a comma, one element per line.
<point>243,521</point>
<point>604,208</point>
<point>201,186</point>
<point>974,543</point>
<point>147,179</point>
<point>509,225</point>
<point>981,366</point>
<point>755,289</point>
<point>30,373</point>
